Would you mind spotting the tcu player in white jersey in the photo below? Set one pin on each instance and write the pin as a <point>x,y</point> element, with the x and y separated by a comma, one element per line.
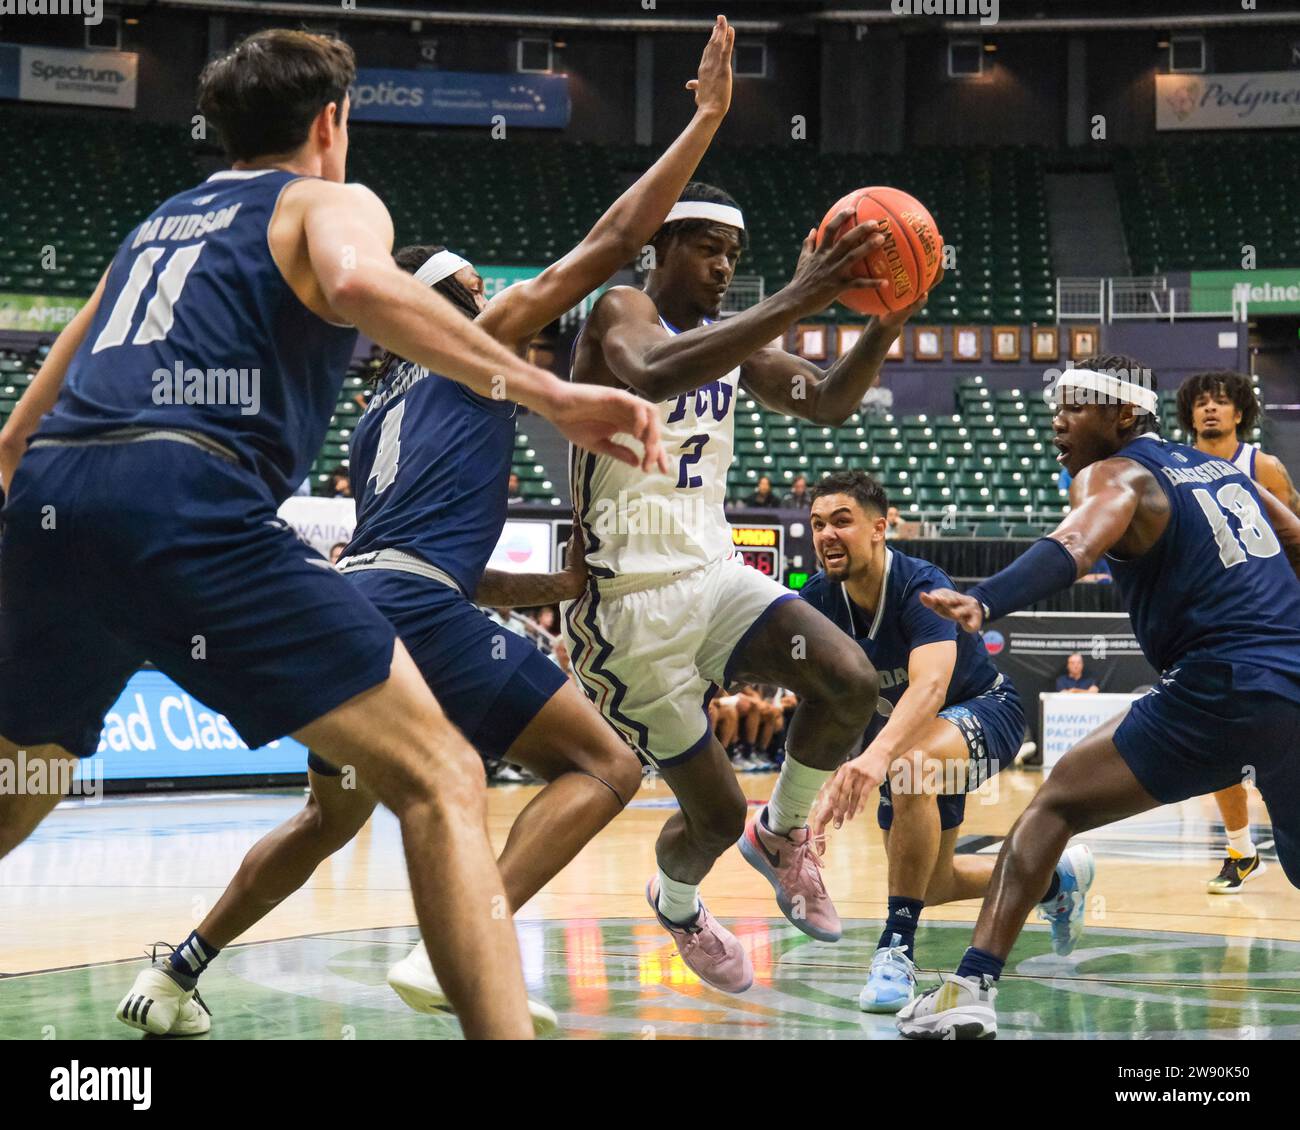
<point>1215,408</point>
<point>670,613</point>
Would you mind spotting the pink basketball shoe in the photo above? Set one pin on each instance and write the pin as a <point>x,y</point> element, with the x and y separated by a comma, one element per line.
<point>793,867</point>
<point>708,948</point>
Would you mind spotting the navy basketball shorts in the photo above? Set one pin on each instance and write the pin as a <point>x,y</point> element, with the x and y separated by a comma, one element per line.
<point>1209,724</point>
<point>490,682</point>
<point>117,553</point>
<point>993,727</point>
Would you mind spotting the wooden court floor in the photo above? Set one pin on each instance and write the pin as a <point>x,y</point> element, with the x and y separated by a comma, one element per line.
<point>81,901</point>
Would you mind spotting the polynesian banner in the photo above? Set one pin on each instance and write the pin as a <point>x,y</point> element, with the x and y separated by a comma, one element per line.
<point>1258,100</point>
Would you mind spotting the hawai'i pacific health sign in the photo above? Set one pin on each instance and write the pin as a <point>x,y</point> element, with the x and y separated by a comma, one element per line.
<point>1251,100</point>
<point>460,98</point>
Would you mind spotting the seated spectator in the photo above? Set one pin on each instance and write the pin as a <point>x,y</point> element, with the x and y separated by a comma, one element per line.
<point>340,485</point>
<point>1074,681</point>
<point>336,551</point>
<point>560,657</point>
<point>891,523</point>
<point>771,721</point>
<point>724,717</point>
<point>764,496</point>
<point>513,494</point>
<point>798,498</point>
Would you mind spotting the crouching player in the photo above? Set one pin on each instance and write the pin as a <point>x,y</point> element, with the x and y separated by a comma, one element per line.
<point>946,721</point>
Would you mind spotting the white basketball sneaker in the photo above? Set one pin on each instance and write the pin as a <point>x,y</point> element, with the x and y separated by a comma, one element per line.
<point>414,980</point>
<point>158,1005</point>
<point>961,1008</point>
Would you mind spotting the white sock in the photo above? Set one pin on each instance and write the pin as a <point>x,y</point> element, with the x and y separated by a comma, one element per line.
<point>1240,844</point>
<point>678,902</point>
<point>793,798</point>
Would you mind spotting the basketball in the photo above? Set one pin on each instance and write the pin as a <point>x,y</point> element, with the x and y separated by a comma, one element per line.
<point>910,255</point>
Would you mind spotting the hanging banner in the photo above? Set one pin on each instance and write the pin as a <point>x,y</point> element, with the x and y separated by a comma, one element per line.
<point>55,74</point>
<point>38,313</point>
<point>1263,292</point>
<point>460,98</point>
<point>1259,100</point>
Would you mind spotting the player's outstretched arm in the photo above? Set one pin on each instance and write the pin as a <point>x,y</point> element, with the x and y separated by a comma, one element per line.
<point>795,386</point>
<point>499,589</point>
<point>1105,497</point>
<point>520,311</point>
<point>929,671</point>
<point>661,365</point>
<point>349,235</point>
<point>349,238</point>
<point>44,389</point>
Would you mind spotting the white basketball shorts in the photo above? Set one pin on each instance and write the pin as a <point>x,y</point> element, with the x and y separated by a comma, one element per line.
<point>650,651</point>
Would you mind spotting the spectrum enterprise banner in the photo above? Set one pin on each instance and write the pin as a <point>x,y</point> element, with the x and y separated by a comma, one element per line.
<point>1263,291</point>
<point>83,78</point>
<point>460,98</point>
<point>1258,100</point>
<point>155,729</point>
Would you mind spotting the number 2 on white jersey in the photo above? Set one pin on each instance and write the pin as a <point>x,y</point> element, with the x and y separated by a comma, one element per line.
<point>1256,538</point>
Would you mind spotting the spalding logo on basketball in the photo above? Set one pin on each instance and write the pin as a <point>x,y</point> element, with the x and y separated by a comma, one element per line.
<point>994,643</point>
<point>909,259</point>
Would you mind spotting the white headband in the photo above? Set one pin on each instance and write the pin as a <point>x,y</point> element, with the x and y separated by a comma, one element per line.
<point>440,266</point>
<point>699,210</point>
<point>1109,385</point>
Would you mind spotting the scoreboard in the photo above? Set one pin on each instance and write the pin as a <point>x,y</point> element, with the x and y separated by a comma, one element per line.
<point>761,548</point>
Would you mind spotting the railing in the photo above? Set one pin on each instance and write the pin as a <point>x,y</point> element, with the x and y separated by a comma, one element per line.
<point>745,291</point>
<point>949,521</point>
<point>1080,298</point>
<point>1148,299</point>
<point>1151,299</point>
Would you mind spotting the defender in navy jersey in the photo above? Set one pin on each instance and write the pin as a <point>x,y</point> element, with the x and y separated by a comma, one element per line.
<point>1208,568</point>
<point>430,460</point>
<point>184,401</point>
<point>945,722</point>
<point>1215,409</point>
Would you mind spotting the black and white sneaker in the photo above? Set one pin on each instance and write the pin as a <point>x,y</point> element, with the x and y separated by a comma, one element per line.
<point>157,1004</point>
<point>1235,873</point>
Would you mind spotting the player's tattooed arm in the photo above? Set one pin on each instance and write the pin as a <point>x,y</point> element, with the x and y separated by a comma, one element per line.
<point>1286,525</point>
<point>1117,504</point>
<point>44,389</point>
<point>1105,498</point>
<point>499,589</point>
<point>794,386</point>
<point>619,236</point>
<point>1273,476</point>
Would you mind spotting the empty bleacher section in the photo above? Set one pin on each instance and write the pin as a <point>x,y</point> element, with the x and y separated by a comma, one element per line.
<point>987,470</point>
<point>989,204</point>
<point>80,187</point>
<point>1193,205</point>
